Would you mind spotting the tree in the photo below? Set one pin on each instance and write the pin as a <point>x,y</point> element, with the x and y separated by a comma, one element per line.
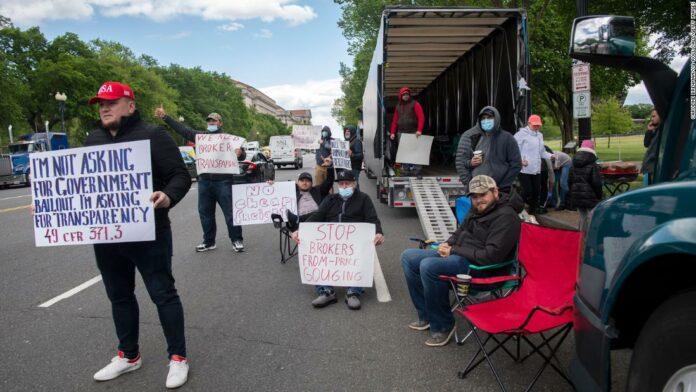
<point>263,126</point>
<point>203,92</point>
<point>609,118</point>
<point>640,110</point>
<point>549,26</point>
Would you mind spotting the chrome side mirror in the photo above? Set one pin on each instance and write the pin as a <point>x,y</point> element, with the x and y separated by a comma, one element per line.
<point>604,35</point>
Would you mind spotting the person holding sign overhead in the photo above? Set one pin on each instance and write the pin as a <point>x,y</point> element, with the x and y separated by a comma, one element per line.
<point>120,122</point>
<point>212,188</point>
<point>488,236</point>
<point>348,205</point>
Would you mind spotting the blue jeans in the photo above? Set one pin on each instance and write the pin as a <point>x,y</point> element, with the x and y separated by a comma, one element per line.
<point>117,264</point>
<point>330,290</point>
<point>562,181</point>
<point>356,174</point>
<point>220,192</point>
<point>429,294</point>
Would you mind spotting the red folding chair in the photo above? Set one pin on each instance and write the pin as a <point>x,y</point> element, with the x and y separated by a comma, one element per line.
<point>543,302</point>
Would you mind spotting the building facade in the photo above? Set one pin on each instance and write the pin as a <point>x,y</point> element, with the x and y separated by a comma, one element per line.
<point>255,99</point>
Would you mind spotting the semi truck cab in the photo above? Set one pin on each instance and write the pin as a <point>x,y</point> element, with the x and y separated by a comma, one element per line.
<point>636,287</point>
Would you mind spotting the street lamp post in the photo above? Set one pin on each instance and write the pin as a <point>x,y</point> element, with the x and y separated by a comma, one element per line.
<point>61,98</point>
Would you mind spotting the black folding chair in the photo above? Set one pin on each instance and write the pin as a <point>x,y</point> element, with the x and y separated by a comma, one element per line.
<point>288,247</point>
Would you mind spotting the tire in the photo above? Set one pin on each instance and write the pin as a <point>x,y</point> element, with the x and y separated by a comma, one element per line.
<point>665,348</point>
<point>277,167</point>
<point>27,179</point>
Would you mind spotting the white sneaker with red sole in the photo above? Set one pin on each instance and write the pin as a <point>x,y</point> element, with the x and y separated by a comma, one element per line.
<point>178,371</point>
<point>119,365</point>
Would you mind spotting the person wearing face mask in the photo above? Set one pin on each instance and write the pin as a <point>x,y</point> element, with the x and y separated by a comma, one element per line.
<point>350,133</point>
<point>347,205</point>
<point>498,155</point>
<point>212,188</point>
<point>531,144</point>
<point>323,156</point>
<point>309,197</point>
<point>408,118</point>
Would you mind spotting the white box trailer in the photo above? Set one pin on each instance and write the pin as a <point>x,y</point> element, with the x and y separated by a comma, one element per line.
<point>455,60</point>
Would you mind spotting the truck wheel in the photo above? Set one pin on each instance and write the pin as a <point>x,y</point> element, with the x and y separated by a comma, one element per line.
<point>664,357</point>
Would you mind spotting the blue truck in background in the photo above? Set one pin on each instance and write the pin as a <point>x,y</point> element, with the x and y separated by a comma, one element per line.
<point>14,166</point>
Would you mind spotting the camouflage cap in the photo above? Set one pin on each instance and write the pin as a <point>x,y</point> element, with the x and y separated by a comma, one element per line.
<point>481,184</point>
<point>214,116</point>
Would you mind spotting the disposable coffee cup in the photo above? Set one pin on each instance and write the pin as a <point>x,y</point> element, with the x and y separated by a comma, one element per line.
<point>463,284</point>
<point>478,154</point>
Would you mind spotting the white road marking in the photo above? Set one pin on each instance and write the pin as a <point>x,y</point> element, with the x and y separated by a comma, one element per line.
<point>14,197</point>
<point>71,292</point>
<point>380,283</point>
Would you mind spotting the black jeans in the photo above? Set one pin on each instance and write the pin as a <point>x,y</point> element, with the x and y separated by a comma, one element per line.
<point>530,186</point>
<point>117,263</point>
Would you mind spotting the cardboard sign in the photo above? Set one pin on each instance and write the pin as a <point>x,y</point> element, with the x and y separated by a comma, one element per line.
<point>414,150</point>
<point>339,154</point>
<point>215,153</point>
<point>92,195</point>
<point>253,204</point>
<point>306,136</point>
<point>337,254</point>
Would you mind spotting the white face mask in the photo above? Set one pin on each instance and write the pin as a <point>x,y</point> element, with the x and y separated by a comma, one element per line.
<point>345,192</point>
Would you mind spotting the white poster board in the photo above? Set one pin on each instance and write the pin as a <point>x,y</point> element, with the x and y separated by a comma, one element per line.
<point>339,154</point>
<point>337,254</point>
<point>414,150</point>
<point>93,195</point>
<point>306,136</point>
<point>215,153</point>
<point>253,204</point>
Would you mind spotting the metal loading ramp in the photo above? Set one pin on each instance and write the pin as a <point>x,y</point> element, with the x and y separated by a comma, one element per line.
<point>434,211</point>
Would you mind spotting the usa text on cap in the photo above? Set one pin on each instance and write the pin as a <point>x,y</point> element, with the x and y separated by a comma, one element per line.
<point>110,91</point>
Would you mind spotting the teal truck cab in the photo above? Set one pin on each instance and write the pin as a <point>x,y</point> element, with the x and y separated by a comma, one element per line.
<point>15,168</point>
<point>637,281</point>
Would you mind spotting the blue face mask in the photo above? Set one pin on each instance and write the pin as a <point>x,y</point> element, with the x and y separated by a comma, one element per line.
<point>212,128</point>
<point>487,124</point>
<point>345,192</point>
<point>324,134</point>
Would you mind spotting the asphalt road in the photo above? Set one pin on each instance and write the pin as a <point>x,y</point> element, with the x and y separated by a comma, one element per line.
<point>249,322</point>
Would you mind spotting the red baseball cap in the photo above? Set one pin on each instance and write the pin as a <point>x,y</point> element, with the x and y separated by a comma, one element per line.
<point>111,91</point>
<point>534,119</point>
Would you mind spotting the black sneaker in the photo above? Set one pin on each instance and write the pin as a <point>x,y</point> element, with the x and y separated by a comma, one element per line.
<point>238,246</point>
<point>205,247</point>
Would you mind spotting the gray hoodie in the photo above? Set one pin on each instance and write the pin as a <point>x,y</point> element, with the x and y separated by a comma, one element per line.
<point>502,162</point>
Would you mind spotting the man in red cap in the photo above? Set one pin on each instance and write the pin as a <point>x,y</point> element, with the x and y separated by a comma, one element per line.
<point>408,118</point>
<point>531,143</point>
<point>120,123</point>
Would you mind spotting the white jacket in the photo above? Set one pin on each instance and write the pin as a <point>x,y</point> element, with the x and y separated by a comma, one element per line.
<point>531,149</point>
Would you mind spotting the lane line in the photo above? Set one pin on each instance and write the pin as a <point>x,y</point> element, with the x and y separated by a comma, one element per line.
<point>14,197</point>
<point>15,208</point>
<point>71,292</point>
<point>380,283</point>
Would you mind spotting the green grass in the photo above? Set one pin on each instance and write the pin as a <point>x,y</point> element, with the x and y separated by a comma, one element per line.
<point>623,148</point>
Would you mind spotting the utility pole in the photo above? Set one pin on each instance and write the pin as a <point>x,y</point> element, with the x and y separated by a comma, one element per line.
<point>584,124</point>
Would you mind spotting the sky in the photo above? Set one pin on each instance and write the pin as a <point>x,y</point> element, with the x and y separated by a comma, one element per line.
<point>289,49</point>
